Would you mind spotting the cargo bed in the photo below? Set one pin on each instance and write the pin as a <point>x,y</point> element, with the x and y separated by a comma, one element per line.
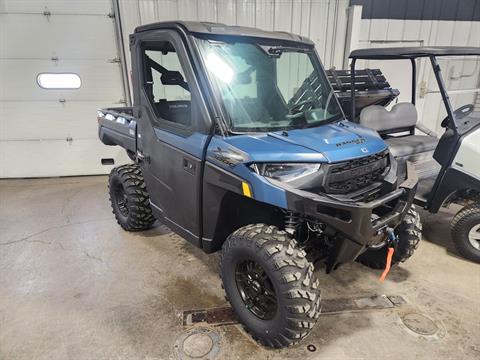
<point>117,126</point>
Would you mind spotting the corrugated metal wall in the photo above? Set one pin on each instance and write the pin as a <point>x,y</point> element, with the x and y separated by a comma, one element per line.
<point>323,21</point>
<point>422,32</point>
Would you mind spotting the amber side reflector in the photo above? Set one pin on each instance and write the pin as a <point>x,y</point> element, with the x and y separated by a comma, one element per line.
<point>246,189</point>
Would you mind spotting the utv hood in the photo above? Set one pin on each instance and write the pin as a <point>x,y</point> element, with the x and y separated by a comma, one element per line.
<point>327,143</point>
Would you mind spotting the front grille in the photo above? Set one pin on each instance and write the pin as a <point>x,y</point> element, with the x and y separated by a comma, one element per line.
<point>352,175</point>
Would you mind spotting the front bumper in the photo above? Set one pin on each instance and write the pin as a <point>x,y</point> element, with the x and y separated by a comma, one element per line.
<point>362,224</point>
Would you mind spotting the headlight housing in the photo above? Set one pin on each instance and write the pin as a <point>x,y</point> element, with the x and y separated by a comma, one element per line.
<point>299,175</point>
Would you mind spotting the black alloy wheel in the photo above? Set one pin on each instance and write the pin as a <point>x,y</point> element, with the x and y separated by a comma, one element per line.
<point>120,198</point>
<point>256,289</point>
<point>270,284</point>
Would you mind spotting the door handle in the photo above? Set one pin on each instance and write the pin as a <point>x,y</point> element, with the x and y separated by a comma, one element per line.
<point>188,166</point>
<point>143,157</point>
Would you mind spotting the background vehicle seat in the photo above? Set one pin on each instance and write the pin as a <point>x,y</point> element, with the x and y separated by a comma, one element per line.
<point>411,144</point>
<point>393,124</point>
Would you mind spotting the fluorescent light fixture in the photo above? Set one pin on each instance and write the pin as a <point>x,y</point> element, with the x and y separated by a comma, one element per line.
<point>59,81</point>
<point>219,68</point>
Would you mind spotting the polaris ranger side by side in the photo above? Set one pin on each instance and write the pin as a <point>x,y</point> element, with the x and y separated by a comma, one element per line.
<point>448,166</point>
<point>240,145</point>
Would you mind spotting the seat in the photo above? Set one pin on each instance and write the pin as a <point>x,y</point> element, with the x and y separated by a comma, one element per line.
<point>412,144</point>
<point>391,124</point>
<point>177,111</point>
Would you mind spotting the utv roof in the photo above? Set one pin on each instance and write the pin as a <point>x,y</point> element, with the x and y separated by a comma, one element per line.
<point>209,28</point>
<point>412,52</point>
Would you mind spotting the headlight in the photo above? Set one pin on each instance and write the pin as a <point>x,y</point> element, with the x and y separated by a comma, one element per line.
<point>289,172</point>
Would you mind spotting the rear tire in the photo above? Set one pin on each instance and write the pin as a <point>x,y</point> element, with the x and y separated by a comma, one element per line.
<point>280,303</point>
<point>409,234</point>
<point>129,198</point>
<point>465,230</point>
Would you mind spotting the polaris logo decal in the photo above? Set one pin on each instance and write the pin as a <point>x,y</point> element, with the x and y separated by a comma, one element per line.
<point>353,141</point>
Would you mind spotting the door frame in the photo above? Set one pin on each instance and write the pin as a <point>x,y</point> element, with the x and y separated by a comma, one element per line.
<point>171,134</point>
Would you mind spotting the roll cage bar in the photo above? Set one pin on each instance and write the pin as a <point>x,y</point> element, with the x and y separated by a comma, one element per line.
<point>412,53</point>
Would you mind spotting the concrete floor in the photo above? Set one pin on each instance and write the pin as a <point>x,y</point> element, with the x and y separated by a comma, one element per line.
<point>73,285</point>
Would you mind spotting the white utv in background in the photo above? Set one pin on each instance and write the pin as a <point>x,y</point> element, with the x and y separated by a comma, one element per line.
<point>448,167</point>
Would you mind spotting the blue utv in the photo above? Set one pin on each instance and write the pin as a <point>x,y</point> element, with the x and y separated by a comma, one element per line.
<point>239,144</point>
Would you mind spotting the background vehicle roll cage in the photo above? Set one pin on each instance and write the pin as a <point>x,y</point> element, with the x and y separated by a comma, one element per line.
<point>412,53</point>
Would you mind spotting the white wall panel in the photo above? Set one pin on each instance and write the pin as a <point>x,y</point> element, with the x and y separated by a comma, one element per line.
<point>318,25</point>
<point>283,15</point>
<point>38,158</point>
<point>264,14</point>
<point>66,36</point>
<point>410,31</point>
<point>43,120</point>
<point>245,10</point>
<point>100,80</point>
<point>46,132</point>
<point>208,10</point>
<point>341,35</point>
<point>90,7</point>
<point>188,9</point>
<point>226,12</point>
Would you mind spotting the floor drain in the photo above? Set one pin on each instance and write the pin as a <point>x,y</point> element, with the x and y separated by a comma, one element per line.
<point>225,316</point>
<point>420,324</point>
<point>198,343</point>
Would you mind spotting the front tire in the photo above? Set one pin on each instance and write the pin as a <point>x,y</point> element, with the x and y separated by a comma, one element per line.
<point>465,230</point>
<point>270,285</point>
<point>409,234</point>
<point>129,198</point>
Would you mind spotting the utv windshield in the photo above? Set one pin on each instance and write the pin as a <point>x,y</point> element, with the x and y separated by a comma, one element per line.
<point>266,87</point>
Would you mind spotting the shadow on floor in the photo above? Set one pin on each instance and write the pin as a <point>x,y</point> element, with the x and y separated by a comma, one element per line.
<point>158,230</point>
<point>436,229</point>
<point>346,275</point>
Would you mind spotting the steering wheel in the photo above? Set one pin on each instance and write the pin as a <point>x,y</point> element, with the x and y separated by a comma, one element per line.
<point>460,113</point>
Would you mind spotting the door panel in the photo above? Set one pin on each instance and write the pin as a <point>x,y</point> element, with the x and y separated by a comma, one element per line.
<point>170,140</point>
<point>175,175</point>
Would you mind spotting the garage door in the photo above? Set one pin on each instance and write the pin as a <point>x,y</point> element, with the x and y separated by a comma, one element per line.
<point>53,131</point>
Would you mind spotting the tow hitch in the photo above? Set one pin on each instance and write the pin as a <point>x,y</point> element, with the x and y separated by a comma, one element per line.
<point>392,241</point>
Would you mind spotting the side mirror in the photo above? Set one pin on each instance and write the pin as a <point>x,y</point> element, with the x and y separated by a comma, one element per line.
<point>444,123</point>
